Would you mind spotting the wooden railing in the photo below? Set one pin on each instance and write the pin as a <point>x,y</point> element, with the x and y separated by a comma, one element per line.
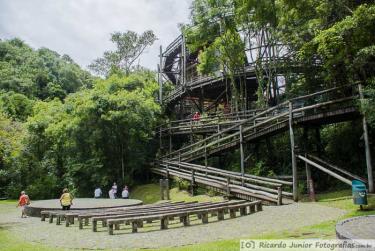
<point>258,187</point>
<point>266,121</point>
<point>324,105</point>
<point>215,121</point>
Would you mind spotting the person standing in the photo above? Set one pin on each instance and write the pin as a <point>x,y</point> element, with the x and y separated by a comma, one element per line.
<point>66,199</point>
<point>125,193</point>
<point>97,193</point>
<point>114,188</point>
<point>111,194</point>
<point>22,202</point>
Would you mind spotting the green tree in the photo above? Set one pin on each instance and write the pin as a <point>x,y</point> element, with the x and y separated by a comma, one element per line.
<point>129,47</point>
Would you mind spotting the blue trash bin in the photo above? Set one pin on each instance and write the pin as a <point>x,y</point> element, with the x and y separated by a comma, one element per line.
<point>359,192</point>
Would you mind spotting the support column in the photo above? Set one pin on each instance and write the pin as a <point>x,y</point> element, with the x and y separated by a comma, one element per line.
<point>294,160</point>
<point>192,182</point>
<point>367,147</point>
<point>161,189</point>
<point>309,180</point>
<point>242,157</point>
<point>201,101</point>
<point>160,138</point>
<point>319,142</point>
<point>205,157</point>
<point>167,189</point>
<point>228,187</point>
<point>160,78</point>
<point>170,138</point>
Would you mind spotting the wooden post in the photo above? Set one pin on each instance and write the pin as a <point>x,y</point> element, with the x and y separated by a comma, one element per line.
<point>319,142</point>
<point>294,160</point>
<point>161,189</point>
<point>183,58</point>
<point>192,182</point>
<point>167,189</point>
<point>228,187</point>
<point>279,195</point>
<point>160,75</point>
<point>309,180</point>
<point>242,156</point>
<point>205,157</point>
<point>201,101</point>
<point>367,147</point>
<point>170,138</point>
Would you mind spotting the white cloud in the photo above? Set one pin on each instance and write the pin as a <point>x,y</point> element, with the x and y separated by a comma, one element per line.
<point>81,28</point>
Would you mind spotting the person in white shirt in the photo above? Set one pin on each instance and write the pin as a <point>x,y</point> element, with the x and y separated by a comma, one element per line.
<point>125,193</point>
<point>114,187</point>
<point>97,193</point>
<point>111,194</point>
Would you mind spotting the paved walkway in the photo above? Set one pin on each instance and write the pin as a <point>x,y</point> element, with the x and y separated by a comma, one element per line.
<point>272,219</point>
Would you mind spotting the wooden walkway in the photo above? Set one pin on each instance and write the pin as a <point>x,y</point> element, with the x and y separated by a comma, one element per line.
<point>316,109</point>
<point>329,106</point>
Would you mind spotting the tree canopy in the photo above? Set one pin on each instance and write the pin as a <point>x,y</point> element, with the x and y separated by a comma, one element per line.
<point>62,127</point>
<point>129,47</point>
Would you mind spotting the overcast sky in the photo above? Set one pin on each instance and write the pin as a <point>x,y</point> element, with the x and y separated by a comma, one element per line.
<point>81,28</point>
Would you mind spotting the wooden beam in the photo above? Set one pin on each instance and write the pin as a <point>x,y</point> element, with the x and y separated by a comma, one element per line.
<point>370,177</point>
<point>337,168</point>
<point>333,174</point>
<point>294,160</point>
<point>310,182</point>
<point>160,76</point>
<point>309,179</point>
<point>242,156</point>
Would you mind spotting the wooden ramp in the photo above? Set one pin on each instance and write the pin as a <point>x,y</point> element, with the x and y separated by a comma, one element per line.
<point>328,106</point>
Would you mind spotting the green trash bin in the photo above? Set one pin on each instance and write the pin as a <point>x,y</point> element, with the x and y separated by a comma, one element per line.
<point>359,192</point>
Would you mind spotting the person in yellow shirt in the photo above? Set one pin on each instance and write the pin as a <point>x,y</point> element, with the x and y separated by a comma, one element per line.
<point>66,199</point>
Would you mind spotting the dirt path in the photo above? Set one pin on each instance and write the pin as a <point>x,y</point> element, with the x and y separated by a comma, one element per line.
<point>288,217</point>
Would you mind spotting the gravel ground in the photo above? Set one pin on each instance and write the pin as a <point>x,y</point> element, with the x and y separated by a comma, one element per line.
<point>271,219</point>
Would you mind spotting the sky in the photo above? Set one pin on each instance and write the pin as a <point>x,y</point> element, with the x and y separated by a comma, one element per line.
<point>81,28</point>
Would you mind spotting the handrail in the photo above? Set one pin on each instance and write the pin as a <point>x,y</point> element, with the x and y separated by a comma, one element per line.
<point>230,128</point>
<point>282,105</point>
<point>211,117</point>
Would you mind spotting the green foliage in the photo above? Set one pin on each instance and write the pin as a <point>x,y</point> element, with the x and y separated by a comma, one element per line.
<point>16,105</point>
<point>12,134</point>
<point>61,128</point>
<point>129,46</point>
<point>97,135</point>
<point>182,184</point>
<point>38,74</point>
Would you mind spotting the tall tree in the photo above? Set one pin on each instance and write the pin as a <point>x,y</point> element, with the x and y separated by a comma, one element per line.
<point>129,47</point>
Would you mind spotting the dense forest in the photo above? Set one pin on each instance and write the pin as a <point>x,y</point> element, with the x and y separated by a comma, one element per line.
<point>62,126</point>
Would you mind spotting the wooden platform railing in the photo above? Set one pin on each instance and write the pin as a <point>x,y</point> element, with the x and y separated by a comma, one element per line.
<point>319,107</point>
<point>257,187</point>
<point>213,122</point>
<point>268,121</point>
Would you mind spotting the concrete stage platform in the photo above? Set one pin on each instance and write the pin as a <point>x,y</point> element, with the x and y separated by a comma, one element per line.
<point>37,206</point>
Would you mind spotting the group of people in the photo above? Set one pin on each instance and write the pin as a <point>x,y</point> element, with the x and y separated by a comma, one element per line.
<point>112,192</point>
<point>66,199</point>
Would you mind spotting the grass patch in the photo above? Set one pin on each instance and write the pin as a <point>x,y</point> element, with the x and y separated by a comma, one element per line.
<point>150,193</point>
